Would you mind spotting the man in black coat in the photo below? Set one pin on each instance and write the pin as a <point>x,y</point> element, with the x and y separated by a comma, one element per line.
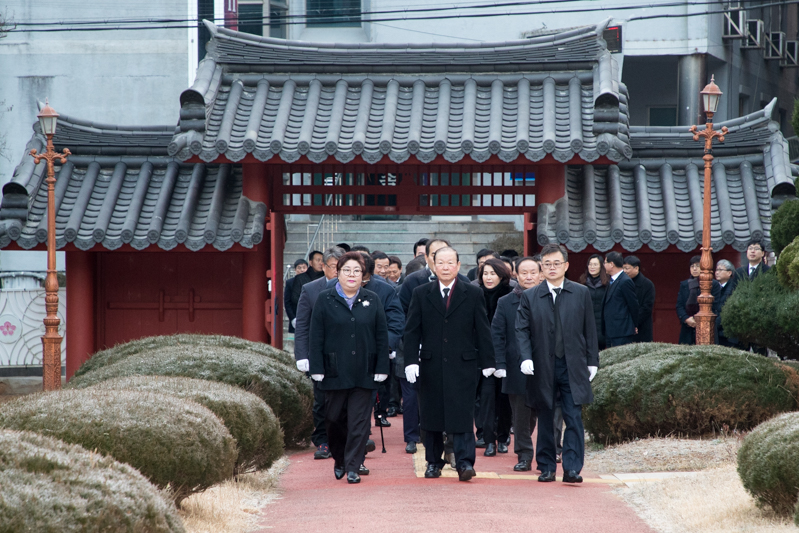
<point>556,333</point>
<point>688,305</point>
<point>315,271</point>
<point>300,266</point>
<point>447,343</point>
<point>645,293</point>
<point>754,255</point>
<point>425,275</point>
<point>506,354</point>
<point>620,306</point>
<point>725,275</point>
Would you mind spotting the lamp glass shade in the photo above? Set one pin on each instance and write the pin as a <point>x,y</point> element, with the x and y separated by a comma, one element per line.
<point>711,102</point>
<point>48,124</point>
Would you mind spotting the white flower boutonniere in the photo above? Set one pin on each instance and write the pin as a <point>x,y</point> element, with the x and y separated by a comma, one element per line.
<point>366,303</point>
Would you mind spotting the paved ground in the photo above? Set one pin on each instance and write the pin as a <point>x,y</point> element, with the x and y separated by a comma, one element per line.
<point>396,498</point>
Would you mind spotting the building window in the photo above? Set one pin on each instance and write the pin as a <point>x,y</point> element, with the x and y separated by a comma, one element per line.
<point>278,11</point>
<point>205,11</point>
<point>251,18</point>
<point>743,104</point>
<point>663,116</point>
<point>326,13</point>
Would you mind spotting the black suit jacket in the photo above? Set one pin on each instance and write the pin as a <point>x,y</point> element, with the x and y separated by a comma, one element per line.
<point>348,346</point>
<point>535,334</point>
<point>645,293</point>
<point>742,273</point>
<point>506,350</point>
<point>310,292</point>
<point>451,345</point>
<point>620,308</point>
<point>420,277</point>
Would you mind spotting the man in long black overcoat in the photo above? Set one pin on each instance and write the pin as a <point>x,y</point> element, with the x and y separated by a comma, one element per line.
<point>447,344</point>
<point>556,333</point>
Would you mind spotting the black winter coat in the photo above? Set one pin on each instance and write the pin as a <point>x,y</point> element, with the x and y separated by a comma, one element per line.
<point>597,297</point>
<point>620,309</point>
<point>455,345</point>
<point>506,350</point>
<point>685,310</point>
<point>645,292</point>
<point>348,346</point>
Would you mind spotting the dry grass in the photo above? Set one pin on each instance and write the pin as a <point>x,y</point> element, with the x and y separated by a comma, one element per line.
<point>663,455</point>
<point>714,501</point>
<point>233,506</point>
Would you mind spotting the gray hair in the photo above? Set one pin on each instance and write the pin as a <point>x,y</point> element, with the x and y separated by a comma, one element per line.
<point>726,264</point>
<point>333,251</point>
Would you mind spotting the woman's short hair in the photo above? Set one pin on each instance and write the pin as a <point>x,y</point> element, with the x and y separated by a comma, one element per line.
<point>499,266</point>
<point>351,256</point>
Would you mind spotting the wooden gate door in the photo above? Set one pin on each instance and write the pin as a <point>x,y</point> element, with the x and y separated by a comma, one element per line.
<point>147,294</point>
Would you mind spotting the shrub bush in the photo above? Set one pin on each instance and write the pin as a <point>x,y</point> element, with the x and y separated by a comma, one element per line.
<point>768,463</point>
<point>149,344</point>
<point>621,354</point>
<point>49,486</point>
<point>688,390</point>
<point>250,421</point>
<point>175,443</point>
<point>784,225</point>
<point>788,266</point>
<point>764,312</point>
<point>287,391</point>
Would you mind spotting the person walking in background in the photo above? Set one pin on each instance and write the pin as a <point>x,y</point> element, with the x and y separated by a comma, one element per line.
<point>420,247</point>
<point>596,279</point>
<point>508,363</point>
<point>645,293</point>
<point>556,333</point>
<point>382,262</point>
<point>481,258</point>
<point>494,414</point>
<point>394,272</point>
<point>314,272</point>
<point>447,343</point>
<point>688,305</point>
<point>348,358</point>
<point>620,305</point>
<point>300,266</point>
<point>725,275</point>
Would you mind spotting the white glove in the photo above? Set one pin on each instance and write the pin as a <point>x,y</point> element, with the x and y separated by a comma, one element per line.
<point>317,377</point>
<point>500,373</point>
<point>411,373</point>
<point>293,322</point>
<point>302,365</point>
<point>527,367</point>
<point>488,371</point>
<point>592,373</point>
<point>381,377</point>
<point>392,355</point>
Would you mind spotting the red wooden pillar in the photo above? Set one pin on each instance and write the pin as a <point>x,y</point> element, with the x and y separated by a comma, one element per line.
<point>277,231</point>
<point>256,263</point>
<point>529,234</point>
<point>550,184</point>
<point>80,319</point>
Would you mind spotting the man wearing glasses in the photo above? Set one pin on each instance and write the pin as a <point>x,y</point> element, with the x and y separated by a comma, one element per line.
<point>756,266</point>
<point>725,275</point>
<point>557,341</point>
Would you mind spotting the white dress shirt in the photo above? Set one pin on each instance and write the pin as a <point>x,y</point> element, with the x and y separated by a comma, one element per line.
<point>441,288</point>
<point>552,289</point>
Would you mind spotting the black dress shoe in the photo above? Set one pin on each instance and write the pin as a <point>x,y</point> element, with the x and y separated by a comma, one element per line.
<point>399,410</point>
<point>362,470</point>
<point>383,422</point>
<point>491,450</point>
<point>353,477</point>
<point>410,447</point>
<point>523,466</point>
<point>432,472</point>
<point>546,477</point>
<point>559,458</point>
<point>480,443</point>
<point>572,477</point>
<point>502,448</point>
<point>466,474</point>
<point>338,470</point>
<point>391,413</point>
<point>370,446</point>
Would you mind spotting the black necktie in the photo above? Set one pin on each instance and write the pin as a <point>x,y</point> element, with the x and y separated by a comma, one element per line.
<point>446,296</point>
<point>560,351</point>
<point>752,273</point>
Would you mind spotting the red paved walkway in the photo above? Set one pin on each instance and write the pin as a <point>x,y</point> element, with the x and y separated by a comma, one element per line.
<point>393,499</point>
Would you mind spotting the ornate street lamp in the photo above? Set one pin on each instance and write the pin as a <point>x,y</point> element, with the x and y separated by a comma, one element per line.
<point>51,342</point>
<point>705,319</point>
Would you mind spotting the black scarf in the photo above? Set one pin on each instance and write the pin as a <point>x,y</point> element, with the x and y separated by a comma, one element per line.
<point>492,296</point>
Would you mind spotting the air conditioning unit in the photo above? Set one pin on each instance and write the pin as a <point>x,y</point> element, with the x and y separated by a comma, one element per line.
<point>754,34</point>
<point>734,22</point>
<point>791,57</point>
<point>775,45</point>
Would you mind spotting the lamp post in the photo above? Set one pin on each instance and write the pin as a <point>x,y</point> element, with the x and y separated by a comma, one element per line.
<point>705,319</point>
<point>51,342</point>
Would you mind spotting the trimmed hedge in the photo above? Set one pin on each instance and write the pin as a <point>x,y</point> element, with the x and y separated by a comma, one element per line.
<point>173,442</point>
<point>250,421</point>
<point>768,463</point>
<point>622,354</point>
<point>49,486</point>
<point>287,391</point>
<point>688,390</point>
<point>149,344</point>
<point>784,225</point>
<point>788,266</point>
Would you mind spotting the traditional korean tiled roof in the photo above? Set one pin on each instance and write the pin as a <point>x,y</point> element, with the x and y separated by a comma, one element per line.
<point>657,201</point>
<point>557,94</point>
<point>106,196</point>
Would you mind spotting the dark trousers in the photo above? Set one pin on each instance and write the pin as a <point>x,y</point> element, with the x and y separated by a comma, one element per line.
<point>319,435</point>
<point>348,421</point>
<point>410,411</point>
<point>463,444</point>
<point>573,437</point>
<point>558,427</point>
<point>619,341</point>
<point>523,426</point>
<point>383,396</point>
<point>494,415</point>
<point>396,390</point>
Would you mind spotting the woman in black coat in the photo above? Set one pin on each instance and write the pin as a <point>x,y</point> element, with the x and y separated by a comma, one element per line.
<point>348,357</point>
<point>495,413</point>
<point>596,279</point>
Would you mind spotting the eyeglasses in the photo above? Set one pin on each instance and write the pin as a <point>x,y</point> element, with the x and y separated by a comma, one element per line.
<point>723,270</point>
<point>351,271</point>
<point>755,248</point>
<point>332,267</point>
<point>554,264</point>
